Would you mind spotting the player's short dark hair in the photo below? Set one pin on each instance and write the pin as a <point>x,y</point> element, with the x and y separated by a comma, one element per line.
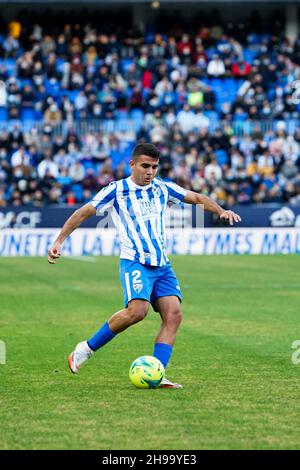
<point>145,149</point>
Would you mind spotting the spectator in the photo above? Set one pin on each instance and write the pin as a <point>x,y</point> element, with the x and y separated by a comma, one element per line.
<point>216,67</point>
<point>53,114</point>
<point>74,73</point>
<point>77,172</point>
<point>213,171</point>
<point>47,167</point>
<point>10,46</point>
<point>186,119</point>
<point>241,68</point>
<point>3,95</point>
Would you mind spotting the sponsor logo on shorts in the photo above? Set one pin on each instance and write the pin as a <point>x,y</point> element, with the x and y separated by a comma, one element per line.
<point>138,287</point>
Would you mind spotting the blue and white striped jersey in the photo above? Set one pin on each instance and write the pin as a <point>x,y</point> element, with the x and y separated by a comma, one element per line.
<point>138,214</point>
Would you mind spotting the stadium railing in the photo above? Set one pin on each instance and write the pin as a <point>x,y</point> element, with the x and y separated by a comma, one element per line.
<point>81,127</point>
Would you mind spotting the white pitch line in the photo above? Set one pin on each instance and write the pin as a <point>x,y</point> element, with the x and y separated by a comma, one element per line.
<point>292,285</point>
<point>260,286</point>
<point>86,259</point>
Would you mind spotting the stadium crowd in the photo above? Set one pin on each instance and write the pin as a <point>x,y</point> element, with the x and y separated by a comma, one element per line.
<point>186,93</point>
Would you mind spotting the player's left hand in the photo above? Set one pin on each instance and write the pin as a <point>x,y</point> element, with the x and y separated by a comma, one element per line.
<point>54,252</point>
<point>230,216</point>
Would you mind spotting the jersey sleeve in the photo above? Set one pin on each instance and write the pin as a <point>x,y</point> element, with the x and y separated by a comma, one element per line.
<point>105,198</point>
<point>176,194</point>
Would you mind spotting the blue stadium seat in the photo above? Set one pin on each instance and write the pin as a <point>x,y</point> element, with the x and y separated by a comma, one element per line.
<point>222,156</point>
<point>211,115</point>
<point>249,55</point>
<point>253,39</point>
<point>121,114</point>
<point>125,64</point>
<point>88,164</point>
<point>78,191</point>
<point>53,89</point>
<point>25,81</point>
<point>137,115</point>
<point>11,67</point>
<point>149,38</point>
<point>59,64</point>
<point>71,94</point>
<point>28,114</point>
<point>217,82</point>
<point>210,52</point>
<point>205,80</point>
<point>3,113</point>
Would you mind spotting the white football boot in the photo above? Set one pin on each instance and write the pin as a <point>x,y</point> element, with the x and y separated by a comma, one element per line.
<point>81,353</point>
<point>165,383</point>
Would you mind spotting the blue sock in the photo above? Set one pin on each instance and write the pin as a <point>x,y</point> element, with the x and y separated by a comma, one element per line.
<point>163,352</point>
<point>103,336</point>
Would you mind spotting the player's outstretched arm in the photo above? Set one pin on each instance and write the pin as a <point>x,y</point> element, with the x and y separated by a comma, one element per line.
<point>211,206</point>
<point>76,219</point>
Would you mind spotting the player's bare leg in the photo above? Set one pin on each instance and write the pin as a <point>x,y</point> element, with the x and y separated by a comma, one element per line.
<point>136,311</point>
<point>171,316</point>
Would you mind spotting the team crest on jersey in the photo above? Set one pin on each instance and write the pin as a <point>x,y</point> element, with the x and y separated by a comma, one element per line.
<point>157,191</point>
<point>138,287</point>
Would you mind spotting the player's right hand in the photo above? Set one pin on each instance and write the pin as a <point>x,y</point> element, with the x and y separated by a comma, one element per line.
<point>54,252</point>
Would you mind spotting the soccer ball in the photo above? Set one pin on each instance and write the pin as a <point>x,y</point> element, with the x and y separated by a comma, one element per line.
<point>146,372</point>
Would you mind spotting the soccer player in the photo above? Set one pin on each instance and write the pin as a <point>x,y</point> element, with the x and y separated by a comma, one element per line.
<point>137,206</point>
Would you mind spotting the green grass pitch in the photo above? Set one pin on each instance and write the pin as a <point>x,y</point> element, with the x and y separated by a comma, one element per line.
<point>233,356</point>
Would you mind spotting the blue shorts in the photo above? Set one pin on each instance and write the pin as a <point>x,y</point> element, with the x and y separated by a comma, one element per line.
<point>147,282</point>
